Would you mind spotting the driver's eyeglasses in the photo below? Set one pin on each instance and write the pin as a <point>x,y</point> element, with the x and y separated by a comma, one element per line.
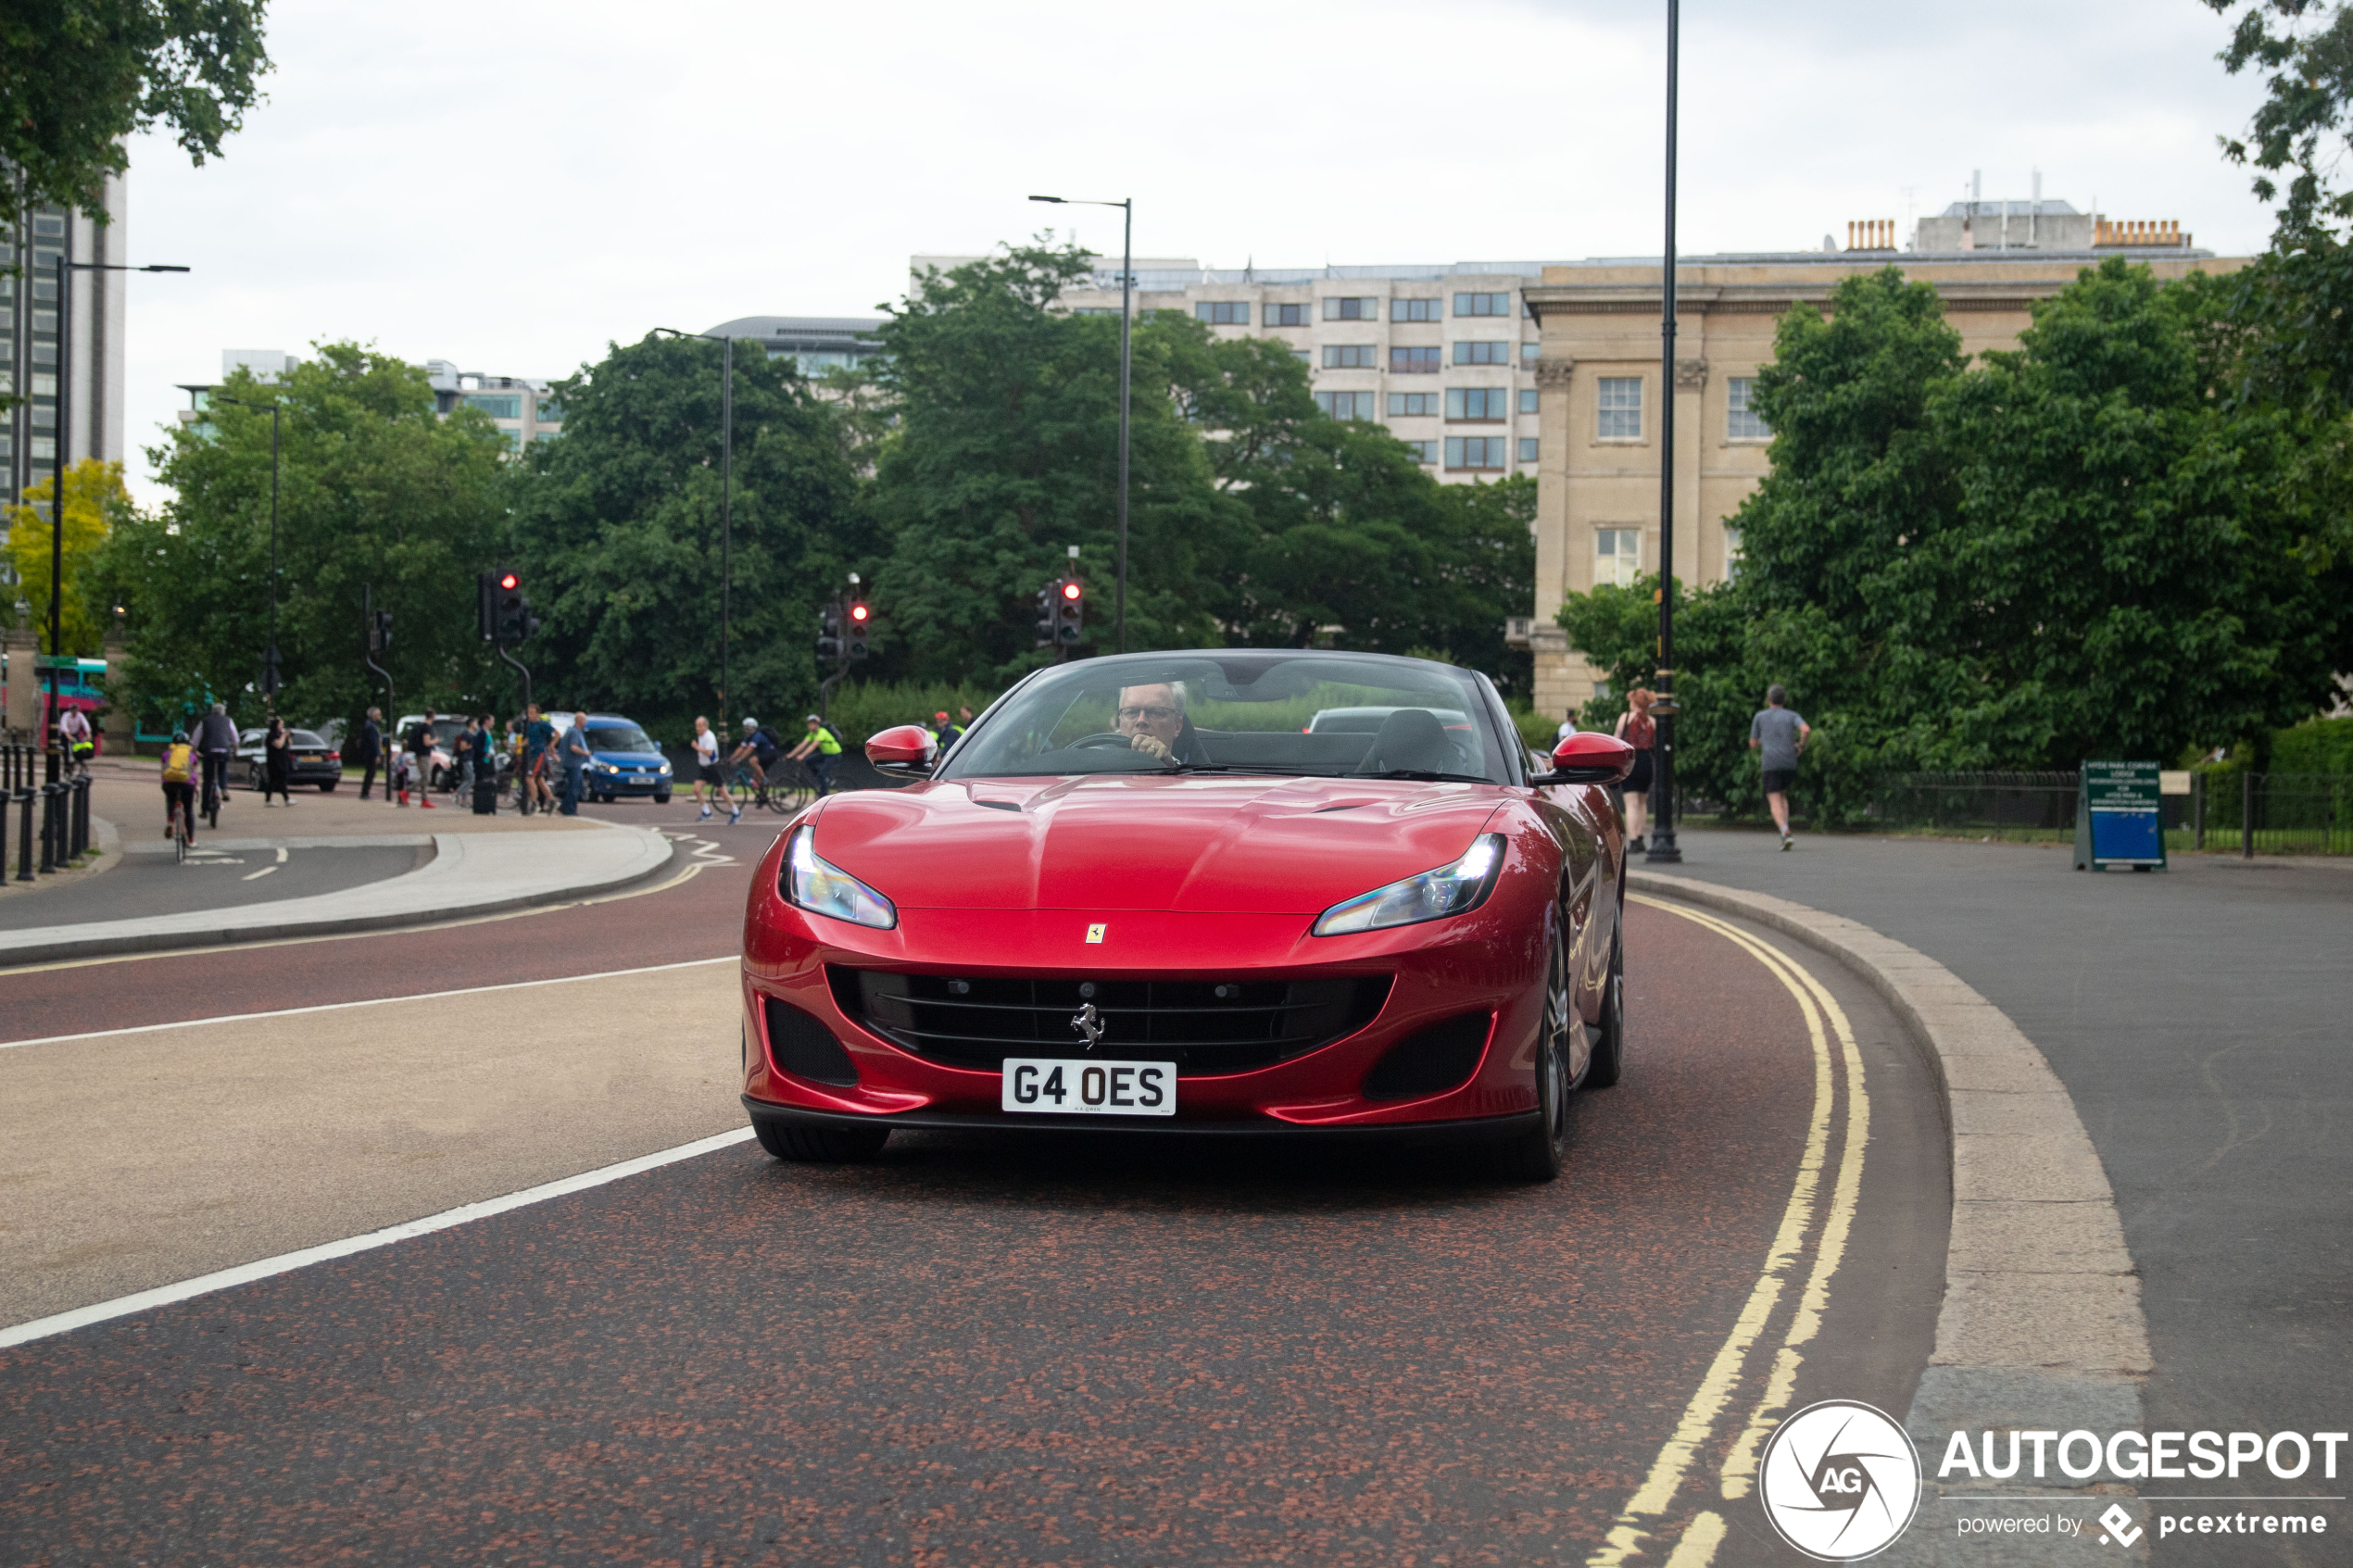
<point>1154,714</point>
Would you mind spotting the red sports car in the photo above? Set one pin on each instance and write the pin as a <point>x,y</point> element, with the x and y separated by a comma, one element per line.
<point>1228,893</point>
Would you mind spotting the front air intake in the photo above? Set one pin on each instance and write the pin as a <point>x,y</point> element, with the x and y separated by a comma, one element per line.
<point>1431,1061</point>
<point>803,1046</point>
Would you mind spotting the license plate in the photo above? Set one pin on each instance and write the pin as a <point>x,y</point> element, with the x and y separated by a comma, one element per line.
<point>1084,1087</point>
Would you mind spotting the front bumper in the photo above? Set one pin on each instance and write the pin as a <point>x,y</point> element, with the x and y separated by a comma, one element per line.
<point>1465,1130</point>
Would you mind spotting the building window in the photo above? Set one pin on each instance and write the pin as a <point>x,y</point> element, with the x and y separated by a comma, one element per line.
<point>1741,422</point>
<point>544,434</point>
<point>1424,451</point>
<point>1482,305</point>
<point>1287,316</point>
<point>1413,404</point>
<point>1530,352</point>
<point>1618,555</point>
<point>1731,555</point>
<point>1351,356</point>
<point>1527,448</point>
<point>1478,403</point>
<point>1347,405</point>
<point>547,411</point>
<point>1415,361</point>
<point>44,449</point>
<point>1527,396</point>
<point>1338,308</point>
<point>1483,353</point>
<point>1224,312</point>
<point>1302,355</point>
<point>499,406</point>
<point>1476,451</point>
<point>48,228</point>
<point>1621,409</point>
<point>1415,310</point>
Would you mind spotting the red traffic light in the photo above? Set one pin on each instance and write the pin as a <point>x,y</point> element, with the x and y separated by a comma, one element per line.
<point>856,612</point>
<point>509,581</point>
<point>1070,590</point>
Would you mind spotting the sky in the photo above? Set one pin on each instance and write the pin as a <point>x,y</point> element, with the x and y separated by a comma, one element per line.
<point>512,185</point>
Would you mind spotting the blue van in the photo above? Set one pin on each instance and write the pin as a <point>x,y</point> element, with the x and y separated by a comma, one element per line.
<point>622,759</point>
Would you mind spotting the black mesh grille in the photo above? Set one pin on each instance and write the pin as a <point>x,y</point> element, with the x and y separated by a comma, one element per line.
<point>1201,1026</point>
<point>805,1047</point>
<point>1430,1061</point>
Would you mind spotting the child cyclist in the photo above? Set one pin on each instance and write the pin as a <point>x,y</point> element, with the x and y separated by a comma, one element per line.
<point>178,789</point>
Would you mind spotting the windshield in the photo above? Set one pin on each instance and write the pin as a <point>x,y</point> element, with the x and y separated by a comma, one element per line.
<point>619,737</point>
<point>303,740</point>
<point>1329,715</point>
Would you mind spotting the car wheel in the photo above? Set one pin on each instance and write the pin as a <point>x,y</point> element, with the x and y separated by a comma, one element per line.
<point>326,789</point>
<point>1536,1154</point>
<point>662,798</point>
<point>1609,1046</point>
<point>820,1146</point>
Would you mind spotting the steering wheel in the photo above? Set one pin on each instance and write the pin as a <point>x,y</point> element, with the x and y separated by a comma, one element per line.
<point>1102,738</point>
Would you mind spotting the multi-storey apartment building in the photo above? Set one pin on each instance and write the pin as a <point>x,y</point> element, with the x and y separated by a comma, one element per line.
<point>30,340</point>
<point>816,343</point>
<point>525,410</point>
<point>1600,390</point>
<point>1444,355</point>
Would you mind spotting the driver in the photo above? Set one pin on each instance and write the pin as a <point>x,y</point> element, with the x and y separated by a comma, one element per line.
<point>1153,718</point>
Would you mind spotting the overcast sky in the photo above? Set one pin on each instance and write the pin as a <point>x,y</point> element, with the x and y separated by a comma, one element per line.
<point>511,185</point>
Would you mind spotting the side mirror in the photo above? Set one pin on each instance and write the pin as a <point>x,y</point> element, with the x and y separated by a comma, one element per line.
<point>1589,758</point>
<point>905,749</point>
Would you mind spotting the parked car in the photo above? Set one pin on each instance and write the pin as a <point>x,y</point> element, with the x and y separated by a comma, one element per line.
<point>442,770</point>
<point>315,762</point>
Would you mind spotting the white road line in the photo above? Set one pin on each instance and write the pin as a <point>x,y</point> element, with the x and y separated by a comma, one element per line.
<point>263,872</point>
<point>286,1262</point>
<point>363,1002</point>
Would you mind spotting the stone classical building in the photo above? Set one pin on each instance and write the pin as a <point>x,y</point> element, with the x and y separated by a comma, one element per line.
<point>1599,389</point>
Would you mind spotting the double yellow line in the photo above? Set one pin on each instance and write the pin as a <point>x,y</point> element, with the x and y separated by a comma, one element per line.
<point>1630,1535</point>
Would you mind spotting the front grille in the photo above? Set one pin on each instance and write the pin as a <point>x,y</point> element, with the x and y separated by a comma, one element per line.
<point>1203,1026</point>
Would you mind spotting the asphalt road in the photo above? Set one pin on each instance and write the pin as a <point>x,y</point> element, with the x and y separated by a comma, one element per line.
<point>2199,1018</point>
<point>980,1351</point>
<point>222,872</point>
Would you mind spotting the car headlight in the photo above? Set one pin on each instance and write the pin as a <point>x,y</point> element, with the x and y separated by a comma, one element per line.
<point>1449,890</point>
<point>665,766</point>
<point>818,885</point>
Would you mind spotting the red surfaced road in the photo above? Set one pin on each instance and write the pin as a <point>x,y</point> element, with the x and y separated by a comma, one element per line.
<point>963,1354</point>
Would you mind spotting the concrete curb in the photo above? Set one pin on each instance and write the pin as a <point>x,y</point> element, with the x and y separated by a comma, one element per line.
<point>2042,1325</point>
<point>470,875</point>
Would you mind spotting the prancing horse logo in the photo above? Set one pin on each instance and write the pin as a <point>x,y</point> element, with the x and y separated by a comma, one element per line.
<point>1089,1022</point>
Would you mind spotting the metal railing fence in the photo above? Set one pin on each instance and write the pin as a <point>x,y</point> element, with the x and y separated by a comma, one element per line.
<point>2226,809</point>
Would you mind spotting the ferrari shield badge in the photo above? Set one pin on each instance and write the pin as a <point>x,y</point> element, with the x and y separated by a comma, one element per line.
<point>1095,931</point>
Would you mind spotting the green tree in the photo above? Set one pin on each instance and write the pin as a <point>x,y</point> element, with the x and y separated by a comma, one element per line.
<point>374,489</point>
<point>95,502</point>
<point>617,530</point>
<point>78,77</point>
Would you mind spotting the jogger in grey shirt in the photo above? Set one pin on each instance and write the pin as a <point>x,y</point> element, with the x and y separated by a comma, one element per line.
<point>1781,735</point>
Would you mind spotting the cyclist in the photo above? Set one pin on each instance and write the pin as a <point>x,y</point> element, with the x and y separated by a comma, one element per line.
<point>759,752</point>
<point>821,748</point>
<point>178,792</point>
<point>216,742</point>
<point>73,726</point>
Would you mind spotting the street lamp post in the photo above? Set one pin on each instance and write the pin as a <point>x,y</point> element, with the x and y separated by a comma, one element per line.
<point>1663,848</point>
<point>1126,286</point>
<point>269,652</point>
<point>66,270</point>
<point>726,491</point>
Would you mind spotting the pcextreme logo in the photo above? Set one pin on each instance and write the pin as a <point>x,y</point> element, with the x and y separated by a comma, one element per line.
<point>1840,1481</point>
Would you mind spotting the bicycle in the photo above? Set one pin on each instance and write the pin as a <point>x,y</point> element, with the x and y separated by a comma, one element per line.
<point>212,791</point>
<point>176,827</point>
<point>787,790</point>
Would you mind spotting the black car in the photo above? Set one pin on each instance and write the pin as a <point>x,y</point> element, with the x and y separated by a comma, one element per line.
<point>313,760</point>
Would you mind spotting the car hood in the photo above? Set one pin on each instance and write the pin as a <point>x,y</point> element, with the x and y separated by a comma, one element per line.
<point>1191,843</point>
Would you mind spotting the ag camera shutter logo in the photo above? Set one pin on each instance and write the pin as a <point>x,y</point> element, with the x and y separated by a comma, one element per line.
<point>1840,1481</point>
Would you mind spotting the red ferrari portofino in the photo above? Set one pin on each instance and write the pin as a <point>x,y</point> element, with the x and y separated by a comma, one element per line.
<point>1226,893</point>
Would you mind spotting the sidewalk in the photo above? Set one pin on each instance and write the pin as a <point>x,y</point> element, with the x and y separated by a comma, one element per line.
<point>470,873</point>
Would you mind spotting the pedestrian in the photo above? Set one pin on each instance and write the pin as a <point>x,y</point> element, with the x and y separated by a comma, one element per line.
<point>707,773</point>
<point>469,752</point>
<point>946,732</point>
<point>572,751</point>
<point>1568,727</point>
<point>821,748</point>
<point>1781,735</point>
<point>371,750</point>
<point>1638,730</point>
<point>277,761</point>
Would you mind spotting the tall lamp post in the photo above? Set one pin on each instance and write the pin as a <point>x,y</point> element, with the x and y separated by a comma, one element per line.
<point>1126,286</point>
<point>1663,848</point>
<point>269,653</point>
<point>727,490</point>
<point>66,270</point>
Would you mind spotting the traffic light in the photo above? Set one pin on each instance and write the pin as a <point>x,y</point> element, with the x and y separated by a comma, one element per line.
<point>1047,598</point>
<point>829,630</point>
<point>511,619</point>
<point>862,626</point>
<point>379,631</point>
<point>1070,611</point>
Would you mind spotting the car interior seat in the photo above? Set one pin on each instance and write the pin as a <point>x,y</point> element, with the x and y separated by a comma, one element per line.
<point>1412,739</point>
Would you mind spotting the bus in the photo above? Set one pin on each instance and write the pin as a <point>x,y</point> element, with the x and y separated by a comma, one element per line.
<point>81,684</point>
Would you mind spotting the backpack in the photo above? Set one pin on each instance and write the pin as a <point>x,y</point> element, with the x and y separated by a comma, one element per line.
<point>175,762</point>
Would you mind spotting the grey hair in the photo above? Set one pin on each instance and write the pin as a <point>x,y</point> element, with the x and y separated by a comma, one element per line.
<point>1176,691</point>
<point>1776,696</point>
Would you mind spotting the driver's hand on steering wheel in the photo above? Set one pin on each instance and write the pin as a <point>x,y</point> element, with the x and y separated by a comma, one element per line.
<point>1150,745</point>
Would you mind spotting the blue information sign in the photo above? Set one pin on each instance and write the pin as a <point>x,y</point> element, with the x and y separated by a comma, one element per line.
<point>2117,817</point>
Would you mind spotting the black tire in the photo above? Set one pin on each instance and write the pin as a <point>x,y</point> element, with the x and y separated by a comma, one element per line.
<point>326,789</point>
<point>1609,1046</point>
<point>820,1146</point>
<point>662,799</point>
<point>1539,1154</point>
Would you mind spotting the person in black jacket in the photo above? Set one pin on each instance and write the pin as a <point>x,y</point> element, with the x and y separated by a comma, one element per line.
<point>370,750</point>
